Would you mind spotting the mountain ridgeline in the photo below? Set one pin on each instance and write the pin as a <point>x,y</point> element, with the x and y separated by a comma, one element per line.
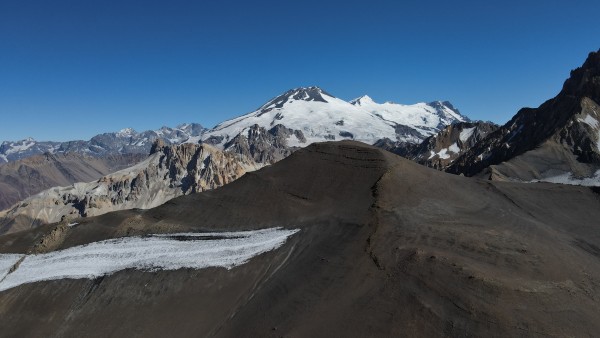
<point>26,177</point>
<point>170,171</point>
<point>560,138</point>
<point>125,141</point>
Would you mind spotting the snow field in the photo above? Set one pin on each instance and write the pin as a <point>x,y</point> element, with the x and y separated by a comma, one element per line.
<point>157,252</point>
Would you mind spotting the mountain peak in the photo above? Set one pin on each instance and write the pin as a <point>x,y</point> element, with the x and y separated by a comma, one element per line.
<point>365,99</point>
<point>126,132</point>
<point>445,108</point>
<point>312,93</point>
<point>585,80</point>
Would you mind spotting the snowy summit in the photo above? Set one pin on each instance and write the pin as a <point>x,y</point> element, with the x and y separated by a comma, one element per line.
<point>320,116</point>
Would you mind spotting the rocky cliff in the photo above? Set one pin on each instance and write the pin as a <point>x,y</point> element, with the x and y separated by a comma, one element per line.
<point>558,141</point>
<point>440,150</point>
<point>24,178</point>
<point>170,171</point>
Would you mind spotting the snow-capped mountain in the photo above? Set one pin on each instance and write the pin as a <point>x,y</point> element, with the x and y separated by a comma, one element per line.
<point>315,116</point>
<point>125,141</point>
<point>16,150</point>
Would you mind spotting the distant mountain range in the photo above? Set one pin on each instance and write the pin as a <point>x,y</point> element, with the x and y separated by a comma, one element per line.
<point>27,177</point>
<point>125,141</point>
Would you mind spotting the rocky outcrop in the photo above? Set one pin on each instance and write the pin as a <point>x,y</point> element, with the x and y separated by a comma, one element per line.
<point>561,137</point>
<point>262,145</point>
<point>24,178</point>
<point>170,171</point>
<point>439,150</point>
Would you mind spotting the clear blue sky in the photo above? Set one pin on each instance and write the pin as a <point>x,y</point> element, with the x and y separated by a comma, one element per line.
<point>72,69</point>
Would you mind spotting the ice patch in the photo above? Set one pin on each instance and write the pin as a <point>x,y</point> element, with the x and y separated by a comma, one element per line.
<point>590,121</point>
<point>567,178</point>
<point>157,252</point>
<point>466,133</point>
<point>443,154</point>
<point>6,263</point>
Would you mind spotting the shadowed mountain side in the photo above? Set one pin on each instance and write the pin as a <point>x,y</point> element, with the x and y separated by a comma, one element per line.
<point>563,133</point>
<point>387,247</point>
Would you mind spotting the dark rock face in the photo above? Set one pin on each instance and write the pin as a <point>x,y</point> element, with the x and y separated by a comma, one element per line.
<point>567,123</point>
<point>127,141</point>
<point>303,93</point>
<point>440,150</point>
<point>264,146</point>
<point>403,149</point>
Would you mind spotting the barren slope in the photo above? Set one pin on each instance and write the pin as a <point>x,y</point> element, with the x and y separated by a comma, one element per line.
<point>23,178</point>
<point>386,247</point>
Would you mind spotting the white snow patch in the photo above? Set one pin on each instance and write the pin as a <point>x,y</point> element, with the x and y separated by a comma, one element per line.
<point>127,132</point>
<point>6,263</point>
<point>567,178</point>
<point>466,133</point>
<point>157,252</point>
<point>590,120</point>
<point>443,154</point>
<point>15,147</point>
<point>454,148</point>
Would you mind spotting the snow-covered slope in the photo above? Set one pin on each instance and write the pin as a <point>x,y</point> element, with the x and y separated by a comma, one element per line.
<point>317,116</point>
<point>426,118</point>
<point>158,252</point>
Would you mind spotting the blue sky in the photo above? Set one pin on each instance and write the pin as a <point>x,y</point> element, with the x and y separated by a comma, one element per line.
<point>72,69</point>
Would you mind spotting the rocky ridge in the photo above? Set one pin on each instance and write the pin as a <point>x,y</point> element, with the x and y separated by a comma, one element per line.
<point>125,141</point>
<point>170,171</point>
<point>440,150</point>
<point>23,178</point>
<point>559,141</point>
